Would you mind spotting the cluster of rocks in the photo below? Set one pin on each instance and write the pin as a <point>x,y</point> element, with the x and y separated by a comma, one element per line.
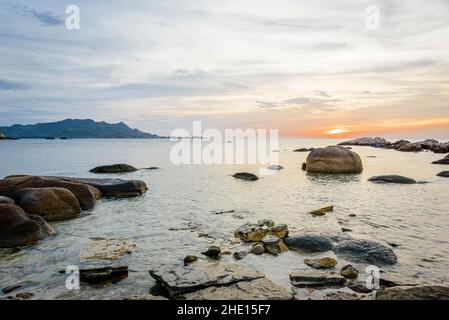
<point>265,235</point>
<point>400,145</point>
<point>216,281</point>
<point>27,203</point>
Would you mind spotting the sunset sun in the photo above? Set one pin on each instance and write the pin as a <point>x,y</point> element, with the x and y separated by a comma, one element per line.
<point>336,131</point>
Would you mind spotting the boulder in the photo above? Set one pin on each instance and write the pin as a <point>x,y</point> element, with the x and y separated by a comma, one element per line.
<point>19,229</point>
<point>107,249</point>
<point>93,275</point>
<point>414,293</point>
<point>50,203</point>
<point>428,144</point>
<point>366,251</point>
<point>392,179</point>
<point>245,176</point>
<point>322,211</point>
<point>258,289</point>
<point>86,195</point>
<point>258,249</point>
<point>349,272</point>
<point>321,263</point>
<point>445,160</point>
<point>177,280</point>
<point>334,159</point>
<point>304,166</point>
<point>311,242</point>
<point>114,168</point>
<point>316,279</point>
<point>444,174</point>
<point>212,252</point>
<point>399,143</point>
<point>113,188</point>
<point>189,259</point>
<point>410,147</point>
<point>6,200</point>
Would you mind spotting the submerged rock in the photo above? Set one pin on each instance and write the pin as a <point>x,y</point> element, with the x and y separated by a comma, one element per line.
<point>410,147</point>
<point>349,272</point>
<point>246,176</point>
<point>444,174</point>
<point>304,150</point>
<point>414,293</point>
<point>113,188</point>
<point>392,179</point>
<point>275,167</point>
<point>258,289</point>
<point>321,263</point>
<point>212,252</point>
<point>19,229</point>
<point>442,161</point>
<point>52,204</point>
<point>334,159</point>
<point>107,249</point>
<point>322,211</point>
<point>103,274</point>
<point>114,168</point>
<point>309,242</point>
<point>315,279</point>
<point>189,259</point>
<point>366,251</point>
<point>178,280</point>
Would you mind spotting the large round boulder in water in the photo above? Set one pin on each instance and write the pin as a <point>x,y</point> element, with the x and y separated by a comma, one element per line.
<point>366,251</point>
<point>19,229</point>
<point>52,204</point>
<point>334,159</point>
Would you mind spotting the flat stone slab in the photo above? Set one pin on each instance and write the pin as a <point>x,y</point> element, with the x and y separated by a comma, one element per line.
<point>315,279</point>
<point>178,280</point>
<point>107,249</point>
<point>258,289</point>
<point>414,293</point>
<point>103,274</point>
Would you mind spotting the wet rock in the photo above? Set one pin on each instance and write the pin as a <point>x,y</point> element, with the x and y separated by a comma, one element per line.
<point>255,232</point>
<point>414,293</point>
<point>212,252</point>
<point>152,168</point>
<point>246,176</point>
<point>444,174</point>
<point>392,179</point>
<point>52,204</point>
<point>304,166</point>
<point>334,159</point>
<point>346,230</point>
<point>315,279</point>
<point>322,211</point>
<point>239,255</point>
<point>349,272</point>
<point>360,287</point>
<point>399,143</point>
<point>309,242</point>
<point>352,215</point>
<point>114,168</point>
<point>258,249</point>
<point>259,289</point>
<point>114,188</point>
<point>17,286</point>
<point>107,249</point>
<point>366,251</point>
<point>11,184</point>
<point>304,150</point>
<point>19,229</point>
<point>24,295</point>
<point>275,167</point>
<point>189,259</point>
<point>321,263</point>
<point>441,161</point>
<point>365,141</point>
<point>410,147</point>
<point>103,274</point>
<point>178,280</point>
<point>6,200</point>
<point>271,244</point>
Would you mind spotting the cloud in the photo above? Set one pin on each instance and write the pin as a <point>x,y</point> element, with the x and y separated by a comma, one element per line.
<point>9,85</point>
<point>46,18</point>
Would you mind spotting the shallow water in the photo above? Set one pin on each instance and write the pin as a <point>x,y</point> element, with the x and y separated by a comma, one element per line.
<point>183,198</point>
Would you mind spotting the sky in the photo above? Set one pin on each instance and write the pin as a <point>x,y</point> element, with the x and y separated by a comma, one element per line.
<point>306,68</point>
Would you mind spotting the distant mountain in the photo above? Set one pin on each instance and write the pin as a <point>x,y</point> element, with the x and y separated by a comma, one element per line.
<point>75,129</point>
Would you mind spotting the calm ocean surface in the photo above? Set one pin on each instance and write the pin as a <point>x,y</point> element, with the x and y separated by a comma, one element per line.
<point>167,221</point>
